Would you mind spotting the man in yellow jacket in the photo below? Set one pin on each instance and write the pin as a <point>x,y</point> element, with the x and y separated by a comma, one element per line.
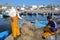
<point>14,22</point>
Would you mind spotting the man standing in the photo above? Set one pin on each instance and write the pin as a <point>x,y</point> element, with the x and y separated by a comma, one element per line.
<point>14,22</point>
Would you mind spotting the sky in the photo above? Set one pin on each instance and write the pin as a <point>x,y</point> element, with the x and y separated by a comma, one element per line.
<point>30,2</point>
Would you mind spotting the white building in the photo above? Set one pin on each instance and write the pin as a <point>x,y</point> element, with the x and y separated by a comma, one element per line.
<point>22,8</point>
<point>57,8</point>
<point>33,7</point>
<point>41,6</point>
<point>4,7</point>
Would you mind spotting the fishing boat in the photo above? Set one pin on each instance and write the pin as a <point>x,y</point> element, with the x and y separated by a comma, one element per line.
<point>5,16</point>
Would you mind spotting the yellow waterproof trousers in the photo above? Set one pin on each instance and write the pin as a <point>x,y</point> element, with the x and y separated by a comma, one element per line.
<point>15,26</point>
<point>48,33</point>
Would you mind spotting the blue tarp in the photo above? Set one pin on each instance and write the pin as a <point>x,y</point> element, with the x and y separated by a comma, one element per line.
<point>3,35</point>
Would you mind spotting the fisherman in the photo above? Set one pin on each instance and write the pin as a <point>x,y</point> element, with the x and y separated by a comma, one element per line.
<point>13,13</point>
<point>51,27</point>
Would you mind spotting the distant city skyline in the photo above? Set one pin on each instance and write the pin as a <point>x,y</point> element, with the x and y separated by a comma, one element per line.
<point>30,2</point>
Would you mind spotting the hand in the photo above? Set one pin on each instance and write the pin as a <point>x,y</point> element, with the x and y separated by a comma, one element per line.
<point>48,26</point>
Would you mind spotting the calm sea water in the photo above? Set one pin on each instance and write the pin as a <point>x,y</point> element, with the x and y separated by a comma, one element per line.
<point>37,20</point>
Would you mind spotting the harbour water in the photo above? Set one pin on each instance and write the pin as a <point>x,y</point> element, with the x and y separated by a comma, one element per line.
<point>38,21</point>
